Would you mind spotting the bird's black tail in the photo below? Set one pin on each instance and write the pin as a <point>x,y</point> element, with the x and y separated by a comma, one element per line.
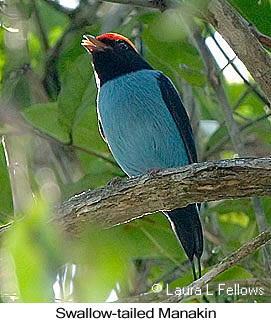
<point>186,224</point>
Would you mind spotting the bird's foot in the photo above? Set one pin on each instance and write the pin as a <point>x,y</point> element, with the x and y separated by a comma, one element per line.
<point>154,170</point>
<point>114,181</point>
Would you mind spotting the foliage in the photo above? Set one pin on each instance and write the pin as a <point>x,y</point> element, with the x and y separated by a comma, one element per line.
<point>49,102</point>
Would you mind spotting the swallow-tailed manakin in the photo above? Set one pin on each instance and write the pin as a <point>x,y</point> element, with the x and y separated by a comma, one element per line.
<point>143,120</point>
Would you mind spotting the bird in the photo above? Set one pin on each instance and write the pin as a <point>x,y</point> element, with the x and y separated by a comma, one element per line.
<point>142,119</point>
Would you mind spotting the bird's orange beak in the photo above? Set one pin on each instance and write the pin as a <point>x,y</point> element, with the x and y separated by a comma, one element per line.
<point>92,44</point>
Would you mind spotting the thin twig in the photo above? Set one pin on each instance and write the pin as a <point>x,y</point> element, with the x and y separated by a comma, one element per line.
<point>215,82</point>
<point>5,227</point>
<point>242,97</point>
<point>22,126</point>
<point>231,124</point>
<point>40,26</point>
<point>236,32</point>
<point>164,296</point>
<point>89,151</point>
<point>252,87</point>
<point>160,248</point>
<point>226,138</point>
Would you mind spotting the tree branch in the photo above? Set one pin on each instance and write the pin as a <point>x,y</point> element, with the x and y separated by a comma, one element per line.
<point>236,31</point>
<point>247,249</point>
<point>251,86</point>
<point>129,199</point>
<point>232,126</point>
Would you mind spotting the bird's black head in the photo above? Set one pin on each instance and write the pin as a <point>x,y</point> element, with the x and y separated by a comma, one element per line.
<point>113,55</point>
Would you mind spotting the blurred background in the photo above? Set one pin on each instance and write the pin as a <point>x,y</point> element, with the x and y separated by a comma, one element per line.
<point>51,150</point>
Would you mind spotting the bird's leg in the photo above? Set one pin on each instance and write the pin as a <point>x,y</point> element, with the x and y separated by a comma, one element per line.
<point>114,181</point>
<point>154,170</point>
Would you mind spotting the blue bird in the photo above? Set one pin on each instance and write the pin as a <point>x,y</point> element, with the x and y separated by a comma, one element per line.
<point>143,121</point>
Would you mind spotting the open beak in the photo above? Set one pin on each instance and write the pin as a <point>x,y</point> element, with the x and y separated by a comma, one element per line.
<point>92,44</point>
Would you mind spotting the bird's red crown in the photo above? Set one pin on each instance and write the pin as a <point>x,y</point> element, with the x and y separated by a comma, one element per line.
<point>115,36</point>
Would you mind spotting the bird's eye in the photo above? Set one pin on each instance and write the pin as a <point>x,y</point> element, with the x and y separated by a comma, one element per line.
<point>122,44</point>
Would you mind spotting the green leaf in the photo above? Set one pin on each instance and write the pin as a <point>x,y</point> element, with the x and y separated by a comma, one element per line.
<point>86,132</point>
<point>152,237</point>
<point>75,83</point>
<point>37,252</point>
<point>72,50</point>
<point>104,262</point>
<point>256,12</point>
<point>192,76</point>
<point>175,50</point>
<point>209,108</point>
<point>239,218</point>
<point>51,19</point>
<point>6,205</point>
<point>44,116</point>
<point>234,213</point>
<point>233,273</point>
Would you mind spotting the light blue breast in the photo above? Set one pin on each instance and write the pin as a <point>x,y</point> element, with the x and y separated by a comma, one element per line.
<point>139,128</point>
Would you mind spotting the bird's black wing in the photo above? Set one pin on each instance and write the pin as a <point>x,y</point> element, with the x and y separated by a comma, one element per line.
<point>179,115</point>
<point>185,221</point>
